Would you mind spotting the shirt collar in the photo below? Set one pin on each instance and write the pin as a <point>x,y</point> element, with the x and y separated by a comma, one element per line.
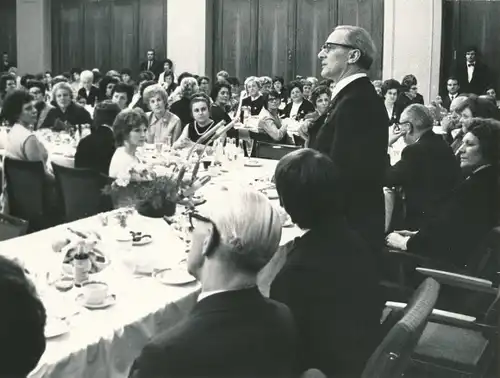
<point>205,294</point>
<point>345,82</point>
<point>481,168</point>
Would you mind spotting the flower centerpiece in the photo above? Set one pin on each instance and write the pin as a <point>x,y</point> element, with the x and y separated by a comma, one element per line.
<point>152,194</point>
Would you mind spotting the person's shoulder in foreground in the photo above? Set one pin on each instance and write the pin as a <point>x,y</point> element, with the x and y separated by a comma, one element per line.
<point>233,331</point>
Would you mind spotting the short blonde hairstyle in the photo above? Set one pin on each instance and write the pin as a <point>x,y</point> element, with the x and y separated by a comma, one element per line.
<point>249,227</point>
<point>360,39</point>
<point>250,79</point>
<point>153,91</point>
<point>188,83</point>
<point>87,75</point>
<point>64,86</point>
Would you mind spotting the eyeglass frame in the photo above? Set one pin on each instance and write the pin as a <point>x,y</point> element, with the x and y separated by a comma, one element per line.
<point>328,46</point>
<point>397,126</point>
<point>216,236</point>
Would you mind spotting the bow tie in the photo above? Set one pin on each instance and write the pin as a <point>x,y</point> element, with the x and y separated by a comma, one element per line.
<point>471,64</point>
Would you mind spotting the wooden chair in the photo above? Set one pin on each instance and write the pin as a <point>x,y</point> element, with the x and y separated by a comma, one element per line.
<point>273,151</point>
<point>392,356</point>
<point>81,192</point>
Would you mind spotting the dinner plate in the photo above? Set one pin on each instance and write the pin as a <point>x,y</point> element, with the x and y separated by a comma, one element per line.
<point>253,163</point>
<point>109,301</point>
<point>143,241</point>
<point>55,327</point>
<point>174,276</point>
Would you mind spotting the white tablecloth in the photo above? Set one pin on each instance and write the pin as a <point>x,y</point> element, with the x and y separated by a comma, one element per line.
<point>104,343</point>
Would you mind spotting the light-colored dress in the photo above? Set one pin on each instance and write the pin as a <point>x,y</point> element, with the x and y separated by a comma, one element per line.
<point>161,128</point>
<point>121,162</point>
<point>270,125</point>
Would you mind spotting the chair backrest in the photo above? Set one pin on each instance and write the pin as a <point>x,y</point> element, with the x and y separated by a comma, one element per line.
<point>25,189</point>
<point>12,227</point>
<point>393,355</point>
<point>81,192</point>
<point>273,151</point>
<point>485,262</point>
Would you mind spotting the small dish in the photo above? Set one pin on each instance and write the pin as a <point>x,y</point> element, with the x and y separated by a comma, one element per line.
<point>173,276</point>
<point>56,327</point>
<point>146,239</point>
<point>109,301</point>
<point>253,163</point>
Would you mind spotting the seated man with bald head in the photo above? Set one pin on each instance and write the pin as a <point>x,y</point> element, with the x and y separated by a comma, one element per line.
<point>233,331</point>
<point>428,169</point>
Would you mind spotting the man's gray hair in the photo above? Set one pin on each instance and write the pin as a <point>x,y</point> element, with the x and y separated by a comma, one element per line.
<point>360,39</point>
<point>420,116</point>
<point>249,227</point>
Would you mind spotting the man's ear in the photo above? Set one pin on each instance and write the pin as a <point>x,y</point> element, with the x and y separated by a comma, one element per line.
<point>208,246</point>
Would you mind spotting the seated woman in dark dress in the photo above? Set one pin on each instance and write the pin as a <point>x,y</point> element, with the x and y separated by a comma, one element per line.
<point>409,93</point>
<point>66,113</point>
<point>202,123</point>
<point>390,90</point>
<point>181,107</point>
<point>106,86</point>
<point>299,106</point>
<point>221,96</point>
<point>329,280</point>
<point>470,211</point>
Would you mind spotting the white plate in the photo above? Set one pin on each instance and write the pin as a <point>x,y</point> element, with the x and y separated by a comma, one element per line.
<point>143,241</point>
<point>109,301</point>
<point>253,163</point>
<point>55,327</point>
<point>174,276</point>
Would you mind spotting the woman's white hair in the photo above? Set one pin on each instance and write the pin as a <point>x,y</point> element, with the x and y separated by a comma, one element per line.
<point>250,79</point>
<point>62,85</point>
<point>87,75</point>
<point>249,227</point>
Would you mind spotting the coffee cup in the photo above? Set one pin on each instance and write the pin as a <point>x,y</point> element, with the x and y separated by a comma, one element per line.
<point>95,292</point>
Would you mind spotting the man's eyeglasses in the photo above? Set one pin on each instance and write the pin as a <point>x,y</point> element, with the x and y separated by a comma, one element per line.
<point>397,126</point>
<point>328,46</point>
<point>193,214</point>
<point>272,99</point>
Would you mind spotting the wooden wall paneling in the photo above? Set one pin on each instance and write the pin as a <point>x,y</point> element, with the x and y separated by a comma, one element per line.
<point>235,39</point>
<point>315,21</point>
<point>124,46</point>
<point>8,32</point>
<point>70,37</point>
<point>368,14</point>
<point>97,30</point>
<point>153,29</point>
<point>450,41</point>
<point>276,48</point>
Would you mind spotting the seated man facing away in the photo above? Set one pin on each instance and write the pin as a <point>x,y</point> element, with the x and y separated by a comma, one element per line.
<point>233,331</point>
<point>428,169</point>
<point>96,150</point>
<point>22,322</point>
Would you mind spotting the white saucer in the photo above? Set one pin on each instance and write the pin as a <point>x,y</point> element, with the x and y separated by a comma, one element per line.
<point>174,276</point>
<point>253,163</point>
<point>143,241</point>
<point>55,327</point>
<point>109,301</point>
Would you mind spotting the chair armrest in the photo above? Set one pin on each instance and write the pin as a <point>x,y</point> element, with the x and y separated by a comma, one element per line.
<point>396,253</point>
<point>438,315</point>
<point>459,280</point>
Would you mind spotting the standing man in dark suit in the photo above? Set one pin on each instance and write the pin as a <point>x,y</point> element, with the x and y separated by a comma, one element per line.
<point>96,150</point>
<point>428,169</point>
<point>153,65</point>
<point>233,331</point>
<point>452,92</point>
<point>6,64</point>
<point>355,132</point>
<point>473,75</point>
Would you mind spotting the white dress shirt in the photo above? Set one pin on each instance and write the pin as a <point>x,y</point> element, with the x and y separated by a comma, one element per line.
<point>470,71</point>
<point>345,82</point>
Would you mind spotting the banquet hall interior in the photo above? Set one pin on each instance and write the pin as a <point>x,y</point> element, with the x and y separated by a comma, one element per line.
<point>249,188</point>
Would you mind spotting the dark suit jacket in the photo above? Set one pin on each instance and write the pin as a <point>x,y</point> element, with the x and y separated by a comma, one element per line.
<point>182,109</point>
<point>447,100</point>
<point>467,214</point>
<point>96,150</point>
<point>255,106</point>
<point>355,136</point>
<point>305,108</point>
<point>92,97</point>
<point>427,171</point>
<point>75,115</point>
<point>330,284</point>
<point>218,114</point>
<point>156,68</point>
<point>404,101</point>
<point>481,78</point>
<point>231,334</point>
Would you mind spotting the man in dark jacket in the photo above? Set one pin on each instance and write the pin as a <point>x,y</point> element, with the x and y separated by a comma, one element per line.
<point>233,331</point>
<point>355,133</point>
<point>153,65</point>
<point>473,75</point>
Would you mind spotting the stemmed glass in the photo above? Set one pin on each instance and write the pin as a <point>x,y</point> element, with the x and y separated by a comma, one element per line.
<point>249,146</point>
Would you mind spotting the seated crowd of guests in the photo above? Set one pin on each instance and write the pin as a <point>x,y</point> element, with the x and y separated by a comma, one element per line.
<point>316,316</point>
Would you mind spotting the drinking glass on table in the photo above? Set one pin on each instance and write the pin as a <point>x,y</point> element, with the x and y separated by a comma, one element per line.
<point>248,146</point>
<point>159,147</point>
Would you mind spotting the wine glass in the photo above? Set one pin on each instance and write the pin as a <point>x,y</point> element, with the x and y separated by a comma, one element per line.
<point>249,146</point>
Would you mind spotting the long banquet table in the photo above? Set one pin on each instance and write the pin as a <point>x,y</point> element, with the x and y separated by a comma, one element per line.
<point>104,343</point>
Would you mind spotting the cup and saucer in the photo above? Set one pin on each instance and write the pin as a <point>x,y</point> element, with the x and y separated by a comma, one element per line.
<point>95,295</point>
